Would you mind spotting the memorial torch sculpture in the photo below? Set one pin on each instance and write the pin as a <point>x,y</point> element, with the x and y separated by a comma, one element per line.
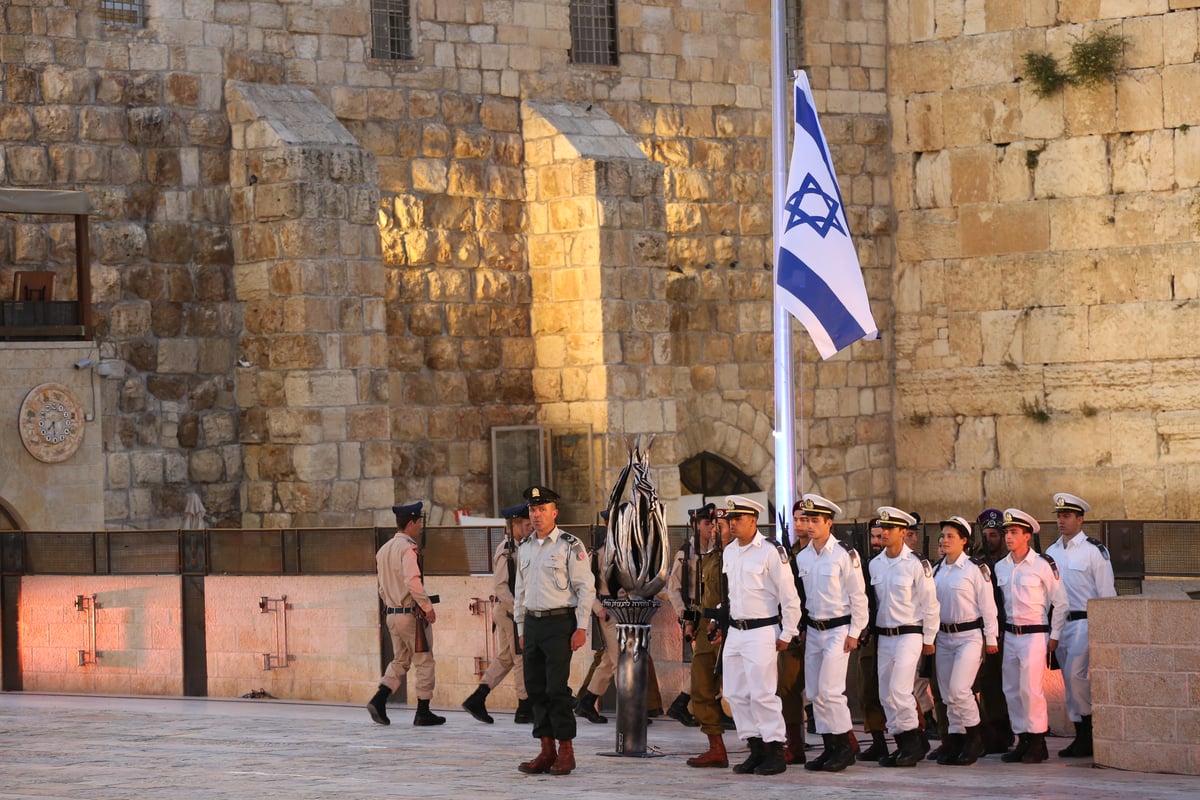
<point>636,556</point>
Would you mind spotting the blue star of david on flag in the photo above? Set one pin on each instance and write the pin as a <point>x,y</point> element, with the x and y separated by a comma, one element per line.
<point>818,279</point>
<point>819,222</point>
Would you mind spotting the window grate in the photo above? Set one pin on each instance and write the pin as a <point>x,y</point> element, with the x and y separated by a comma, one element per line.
<point>593,32</point>
<point>391,30</point>
<point>123,12</point>
<point>794,25</point>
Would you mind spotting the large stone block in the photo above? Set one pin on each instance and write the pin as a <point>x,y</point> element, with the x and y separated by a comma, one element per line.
<point>1011,228</point>
<point>1072,167</point>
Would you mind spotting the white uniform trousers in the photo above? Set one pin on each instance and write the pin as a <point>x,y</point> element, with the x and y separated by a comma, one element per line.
<point>1073,657</point>
<point>1023,669</point>
<point>750,675</point>
<point>898,658</point>
<point>959,656</point>
<point>825,666</point>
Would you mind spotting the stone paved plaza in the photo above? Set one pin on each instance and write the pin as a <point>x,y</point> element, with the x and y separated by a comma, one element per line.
<point>109,748</point>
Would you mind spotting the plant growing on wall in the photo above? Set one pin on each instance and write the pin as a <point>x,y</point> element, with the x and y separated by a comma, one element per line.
<point>1092,60</point>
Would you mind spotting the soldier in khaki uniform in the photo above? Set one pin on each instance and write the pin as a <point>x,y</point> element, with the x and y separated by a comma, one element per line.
<point>552,600</point>
<point>508,655</point>
<point>408,606</point>
<point>706,566</point>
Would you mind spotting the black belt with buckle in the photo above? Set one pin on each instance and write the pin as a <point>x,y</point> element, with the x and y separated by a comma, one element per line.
<point>826,624</point>
<point>751,624</point>
<point>1074,615</point>
<point>552,612</point>
<point>959,627</point>
<point>400,610</point>
<point>899,630</point>
<point>1021,630</point>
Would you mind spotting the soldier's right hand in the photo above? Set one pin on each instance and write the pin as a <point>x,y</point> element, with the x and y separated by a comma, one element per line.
<point>431,616</point>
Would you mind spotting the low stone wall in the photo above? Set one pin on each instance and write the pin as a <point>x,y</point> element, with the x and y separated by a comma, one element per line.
<point>1146,682</point>
<point>333,638</point>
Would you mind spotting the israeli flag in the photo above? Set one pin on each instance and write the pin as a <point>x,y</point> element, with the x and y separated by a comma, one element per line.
<point>817,275</point>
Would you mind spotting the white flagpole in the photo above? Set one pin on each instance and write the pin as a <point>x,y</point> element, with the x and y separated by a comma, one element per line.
<point>785,415</point>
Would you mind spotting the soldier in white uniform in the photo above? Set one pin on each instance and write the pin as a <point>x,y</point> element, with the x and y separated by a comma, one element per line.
<point>1031,587</point>
<point>508,655</point>
<point>906,622</point>
<point>1086,572</point>
<point>835,614</point>
<point>968,628</point>
<point>407,606</point>
<point>760,587</point>
<point>552,600</point>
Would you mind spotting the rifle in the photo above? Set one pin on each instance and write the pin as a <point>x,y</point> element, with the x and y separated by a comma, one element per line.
<point>421,642</point>
<point>510,546</point>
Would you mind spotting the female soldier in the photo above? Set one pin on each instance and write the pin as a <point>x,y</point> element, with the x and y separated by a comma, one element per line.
<point>968,627</point>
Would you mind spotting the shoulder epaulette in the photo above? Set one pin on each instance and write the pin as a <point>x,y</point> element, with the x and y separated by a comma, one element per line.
<point>783,554</point>
<point>849,548</point>
<point>1053,566</point>
<point>1099,546</point>
<point>569,539</point>
<point>984,567</point>
<point>925,563</point>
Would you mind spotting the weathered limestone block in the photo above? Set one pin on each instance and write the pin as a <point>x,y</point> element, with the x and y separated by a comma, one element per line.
<point>1011,228</point>
<point>925,443</point>
<point>1181,105</point>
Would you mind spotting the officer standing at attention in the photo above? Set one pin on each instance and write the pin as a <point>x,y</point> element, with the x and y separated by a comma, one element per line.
<point>1086,573</point>
<point>835,615</point>
<point>683,593</point>
<point>552,600</point>
<point>968,627</point>
<point>402,588</point>
<point>906,623</point>
<point>1031,587</point>
<point>760,587</point>
<point>508,656</point>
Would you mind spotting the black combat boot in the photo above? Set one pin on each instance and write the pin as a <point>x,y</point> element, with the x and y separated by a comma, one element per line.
<point>378,705</point>
<point>844,753</point>
<point>757,754</point>
<point>475,706</point>
<point>425,717</point>
<point>524,714</point>
<point>1081,745</point>
<point>773,762</point>
<point>587,708</point>
<point>972,747</point>
<point>817,764</point>
<point>678,710</point>
<point>1019,750</point>
<point>952,746</point>
<point>912,749</point>
<point>1036,753</point>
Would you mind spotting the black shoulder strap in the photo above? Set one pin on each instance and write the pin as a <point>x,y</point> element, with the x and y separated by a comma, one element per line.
<point>1099,546</point>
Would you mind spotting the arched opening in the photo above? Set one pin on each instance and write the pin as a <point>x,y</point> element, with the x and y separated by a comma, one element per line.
<point>710,475</point>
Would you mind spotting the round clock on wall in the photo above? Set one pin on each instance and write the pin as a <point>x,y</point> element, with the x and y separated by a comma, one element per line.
<point>51,423</point>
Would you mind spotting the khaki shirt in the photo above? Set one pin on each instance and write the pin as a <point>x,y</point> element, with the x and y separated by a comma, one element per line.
<point>504,598</point>
<point>553,572</point>
<point>400,581</point>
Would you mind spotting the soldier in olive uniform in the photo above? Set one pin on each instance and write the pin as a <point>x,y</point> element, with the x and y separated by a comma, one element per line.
<point>706,566</point>
<point>993,707</point>
<point>408,606</point>
<point>552,600</point>
<point>508,655</point>
<point>791,660</point>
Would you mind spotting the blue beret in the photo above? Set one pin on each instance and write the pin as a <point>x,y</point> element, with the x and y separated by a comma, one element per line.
<point>410,510</point>
<point>515,512</point>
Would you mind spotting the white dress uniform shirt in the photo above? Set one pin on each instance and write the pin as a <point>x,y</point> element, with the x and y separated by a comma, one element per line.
<point>906,594</point>
<point>965,594</point>
<point>833,585</point>
<point>1086,573</point>
<point>1030,588</point>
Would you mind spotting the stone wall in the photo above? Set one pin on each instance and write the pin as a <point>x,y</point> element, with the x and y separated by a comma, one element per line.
<point>1046,299</point>
<point>1146,683</point>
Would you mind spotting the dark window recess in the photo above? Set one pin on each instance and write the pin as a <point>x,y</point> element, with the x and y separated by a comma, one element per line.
<point>712,476</point>
<point>593,32</point>
<point>391,30</point>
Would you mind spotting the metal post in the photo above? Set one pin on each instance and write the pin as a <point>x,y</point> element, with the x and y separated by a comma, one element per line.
<point>633,669</point>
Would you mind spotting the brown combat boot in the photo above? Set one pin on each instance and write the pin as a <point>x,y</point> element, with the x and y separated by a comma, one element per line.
<point>715,756</point>
<point>542,761</point>
<point>565,763</point>
<point>793,751</point>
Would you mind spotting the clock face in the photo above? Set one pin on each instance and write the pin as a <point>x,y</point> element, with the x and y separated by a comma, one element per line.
<point>51,423</point>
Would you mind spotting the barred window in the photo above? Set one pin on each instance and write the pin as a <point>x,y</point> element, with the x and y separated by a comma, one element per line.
<point>123,12</point>
<point>793,12</point>
<point>593,32</point>
<point>391,30</point>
